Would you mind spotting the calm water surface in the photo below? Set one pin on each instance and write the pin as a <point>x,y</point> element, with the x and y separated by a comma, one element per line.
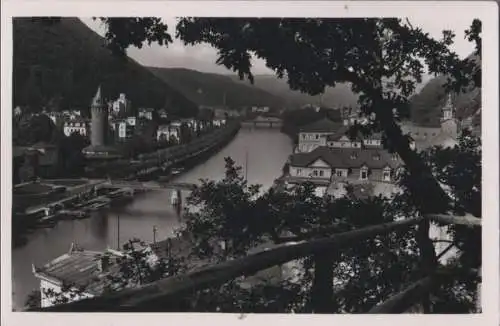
<point>267,149</point>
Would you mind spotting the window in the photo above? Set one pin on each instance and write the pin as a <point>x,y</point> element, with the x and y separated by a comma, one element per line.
<point>364,174</point>
<point>339,173</point>
<point>321,173</point>
<point>317,136</point>
<point>354,156</point>
<point>376,157</point>
<point>315,173</point>
<point>299,171</point>
<point>386,175</point>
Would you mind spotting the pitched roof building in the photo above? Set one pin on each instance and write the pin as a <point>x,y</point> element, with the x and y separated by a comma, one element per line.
<point>78,268</point>
<point>324,165</point>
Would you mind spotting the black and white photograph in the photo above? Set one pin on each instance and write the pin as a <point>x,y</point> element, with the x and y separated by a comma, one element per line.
<point>251,164</point>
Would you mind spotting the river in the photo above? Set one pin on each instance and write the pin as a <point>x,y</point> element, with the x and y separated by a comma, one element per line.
<point>264,150</point>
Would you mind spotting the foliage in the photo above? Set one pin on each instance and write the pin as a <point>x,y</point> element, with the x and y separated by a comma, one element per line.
<point>294,120</point>
<point>73,160</point>
<point>34,129</point>
<point>459,169</point>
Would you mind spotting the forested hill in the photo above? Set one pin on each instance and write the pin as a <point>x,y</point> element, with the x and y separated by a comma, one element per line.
<point>216,90</point>
<point>61,64</point>
<point>340,95</point>
<point>427,104</point>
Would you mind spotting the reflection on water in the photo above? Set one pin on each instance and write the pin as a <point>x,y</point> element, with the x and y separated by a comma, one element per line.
<point>99,225</point>
<point>267,152</point>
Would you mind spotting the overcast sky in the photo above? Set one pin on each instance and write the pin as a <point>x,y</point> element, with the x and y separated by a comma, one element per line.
<point>202,57</point>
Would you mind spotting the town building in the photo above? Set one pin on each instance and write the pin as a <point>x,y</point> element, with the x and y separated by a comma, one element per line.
<point>122,129</point>
<point>342,139</point>
<point>169,133</point>
<point>162,113</point>
<point>71,114</point>
<point>260,109</point>
<point>122,107</point>
<point>325,165</point>
<point>18,111</point>
<point>315,134</point>
<point>442,132</point>
<point>100,129</point>
<point>146,113</point>
<point>78,267</point>
<point>80,126</point>
<point>57,118</point>
<point>219,122</point>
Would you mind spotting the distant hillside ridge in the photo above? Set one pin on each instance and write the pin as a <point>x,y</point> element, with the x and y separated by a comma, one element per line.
<point>60,65</point>
<point>211,89</point>
<point>425,106</point>
<point>339,96</point>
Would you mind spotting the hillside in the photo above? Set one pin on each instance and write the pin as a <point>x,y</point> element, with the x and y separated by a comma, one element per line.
<point>427,104</point>
<point>61,64</point>
<point>216,90</point>
<point>341,95</point>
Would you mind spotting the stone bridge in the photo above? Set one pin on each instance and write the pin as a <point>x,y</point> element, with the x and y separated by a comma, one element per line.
<point>151,185</point>
<point>268,122</point>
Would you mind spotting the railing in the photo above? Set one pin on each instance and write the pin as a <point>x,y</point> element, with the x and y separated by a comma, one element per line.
<point>168,291</point>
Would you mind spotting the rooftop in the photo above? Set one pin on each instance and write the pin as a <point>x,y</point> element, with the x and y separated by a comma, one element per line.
<point>348,158</point>
<point>78,267</point>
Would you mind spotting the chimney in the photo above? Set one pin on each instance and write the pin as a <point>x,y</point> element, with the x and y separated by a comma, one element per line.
<point>103,263</point>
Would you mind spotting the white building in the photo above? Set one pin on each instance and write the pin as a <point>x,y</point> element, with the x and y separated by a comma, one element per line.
<point>80,126</point>
<point>77,267</point>
<point>18,111</point>
<point>263,109</point>
<point>168,132</point>
<point>132,121</point>
<point>123,130</point>
<point>146,113</point>
<point>122,106</point>
<point>219,122</point>
<point>315,135</point>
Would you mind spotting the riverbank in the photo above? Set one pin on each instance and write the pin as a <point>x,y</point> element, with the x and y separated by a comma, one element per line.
<point>267,150</point>
<point>163,159</point>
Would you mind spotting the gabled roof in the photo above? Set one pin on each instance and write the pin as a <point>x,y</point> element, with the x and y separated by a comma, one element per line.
<point>347,158</point>
<point>323,125</point>
<point>77,267</point>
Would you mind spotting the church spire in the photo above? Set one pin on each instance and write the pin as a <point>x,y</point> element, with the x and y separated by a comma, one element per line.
<point>448,108</point>
<point>97,101</point>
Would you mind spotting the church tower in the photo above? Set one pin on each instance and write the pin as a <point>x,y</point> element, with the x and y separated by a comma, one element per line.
<point>449,124</point>
<point>448,110</point>
<point>99,125</point>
